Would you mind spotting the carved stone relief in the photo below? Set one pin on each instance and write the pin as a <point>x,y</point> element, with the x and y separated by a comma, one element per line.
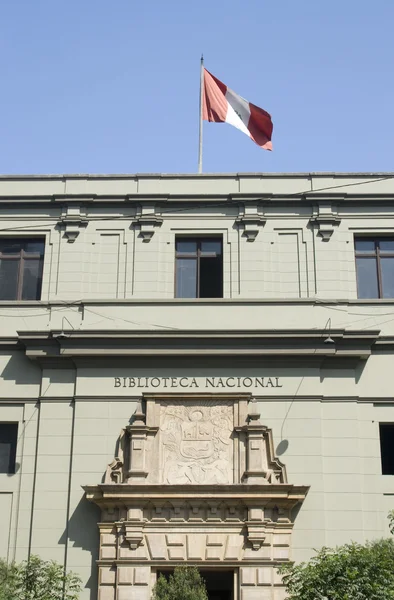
<point>196,441</point>
<point>194,480</point>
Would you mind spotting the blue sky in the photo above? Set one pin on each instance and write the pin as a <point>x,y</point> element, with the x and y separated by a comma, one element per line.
<point>113,87</point>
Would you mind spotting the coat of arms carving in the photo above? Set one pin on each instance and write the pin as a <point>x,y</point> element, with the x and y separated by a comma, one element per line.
<point>196,443</point>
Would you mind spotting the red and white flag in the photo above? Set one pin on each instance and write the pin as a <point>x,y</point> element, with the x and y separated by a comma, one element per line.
<point>222,105</point>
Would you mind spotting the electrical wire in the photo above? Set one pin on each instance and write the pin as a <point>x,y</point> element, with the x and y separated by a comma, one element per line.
<point>343,324</point>
<point>129,321</point>
<point>205,203</point>
<point>185,209</point>
<point>335,187</point>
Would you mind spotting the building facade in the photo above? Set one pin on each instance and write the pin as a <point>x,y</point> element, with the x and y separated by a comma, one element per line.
<point>196,369</point>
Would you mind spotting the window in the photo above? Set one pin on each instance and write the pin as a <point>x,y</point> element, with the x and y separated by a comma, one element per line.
<point>21,262</point>
<point>387,447</point>
<point>375,267</point>
<point>199,268</point>
<point>8,439</point>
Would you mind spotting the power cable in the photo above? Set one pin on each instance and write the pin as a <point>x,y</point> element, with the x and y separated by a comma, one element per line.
<point>206,203</point>
<point>129,321</point>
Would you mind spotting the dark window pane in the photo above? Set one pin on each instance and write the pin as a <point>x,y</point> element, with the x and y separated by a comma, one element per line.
<point>386,245</point>
<point>9,269</point>
<point>186,247</point>
<point>211,247</point>
<point>10,246</point>
<point>387,272</point>
<point>186,278</point>
<point>365,245</point>
<point>367,278</point>
<point>34,247</point>
<point>8,440</point>
<point>211,277</point>
<point>387,447</point>
<point>32,279</point>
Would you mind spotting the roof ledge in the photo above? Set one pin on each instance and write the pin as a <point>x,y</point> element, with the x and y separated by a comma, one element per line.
<point>333,345</point>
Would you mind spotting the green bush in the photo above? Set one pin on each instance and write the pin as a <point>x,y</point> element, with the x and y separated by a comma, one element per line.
<point>349,572</point>
<point>37,579</point>
<point>185,583</point>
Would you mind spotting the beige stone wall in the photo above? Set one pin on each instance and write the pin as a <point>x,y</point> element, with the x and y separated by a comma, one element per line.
<point>110,260</point>
<point>325,423</point>
<point>331,445</point>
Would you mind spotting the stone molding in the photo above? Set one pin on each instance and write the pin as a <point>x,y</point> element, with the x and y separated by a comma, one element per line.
<point>147,219</point>
<point>230,505</point>
<point>196,439</point>
<point>44,345</point>
<point>250,220</point>
<point>325,218</point>
<point>72,220</point>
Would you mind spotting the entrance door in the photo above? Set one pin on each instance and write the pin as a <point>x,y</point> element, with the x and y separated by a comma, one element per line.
<point>220,583</point>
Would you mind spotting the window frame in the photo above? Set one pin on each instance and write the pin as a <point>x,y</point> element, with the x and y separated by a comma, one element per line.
<point>199,239</point>
<point>390,426</point>
<point>376,256</point>
<point>13,447</point>
<point>22,257</point>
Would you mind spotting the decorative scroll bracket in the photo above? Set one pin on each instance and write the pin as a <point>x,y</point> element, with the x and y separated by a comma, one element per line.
<point>147,219</point>
<point>72,220</point>
<point>250,220</point>
<point>133,535</point>
<point>256,535</point>
<point>325,217</point>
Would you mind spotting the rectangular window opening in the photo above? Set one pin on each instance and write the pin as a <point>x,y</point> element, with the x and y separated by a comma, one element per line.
<point>219,582</point>
<point>8,441</point>
<point>198,267</point>
<point>387,447</point>
<point>374,267</point>
<point>21,266</point>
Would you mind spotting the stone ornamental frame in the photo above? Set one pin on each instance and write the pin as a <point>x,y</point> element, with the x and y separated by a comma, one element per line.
<point>195,482</point>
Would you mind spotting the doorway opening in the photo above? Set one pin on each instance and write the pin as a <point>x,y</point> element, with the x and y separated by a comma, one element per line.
<point>219,583</point>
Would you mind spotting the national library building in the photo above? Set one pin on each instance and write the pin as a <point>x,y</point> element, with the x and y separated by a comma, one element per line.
<point>195,369</point>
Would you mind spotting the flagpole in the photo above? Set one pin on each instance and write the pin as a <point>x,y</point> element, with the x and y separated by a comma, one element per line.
<point>200,124</point>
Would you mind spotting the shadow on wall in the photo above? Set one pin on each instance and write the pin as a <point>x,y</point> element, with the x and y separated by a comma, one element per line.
<point>121,450</point>
<point>83,533</point>
<point>295,512</point>
<point>20,369</point>
<point>349,373</point>
<point>282,447</point>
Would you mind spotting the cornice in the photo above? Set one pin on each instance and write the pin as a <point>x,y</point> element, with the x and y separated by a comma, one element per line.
<point>235,174</point>
<point>305,198</point>
<point>378,401</point>
<point>269,334</point>
<point>103,493</point>
<point>17,304</point>
<point>59,346</point>
<point>9,343</point>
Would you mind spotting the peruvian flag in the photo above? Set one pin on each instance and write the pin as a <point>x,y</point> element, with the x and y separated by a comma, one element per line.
<point>222,105</point>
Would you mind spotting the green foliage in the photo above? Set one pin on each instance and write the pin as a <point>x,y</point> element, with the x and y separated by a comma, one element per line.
<point>185,583</point>
<point>37,579</point>
<point>8,580</point>
<point>349,572</point>
<point>391,521</point>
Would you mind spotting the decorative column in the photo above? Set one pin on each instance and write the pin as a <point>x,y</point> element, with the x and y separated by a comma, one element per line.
<point>257,470</point>
<point>138,431</point>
